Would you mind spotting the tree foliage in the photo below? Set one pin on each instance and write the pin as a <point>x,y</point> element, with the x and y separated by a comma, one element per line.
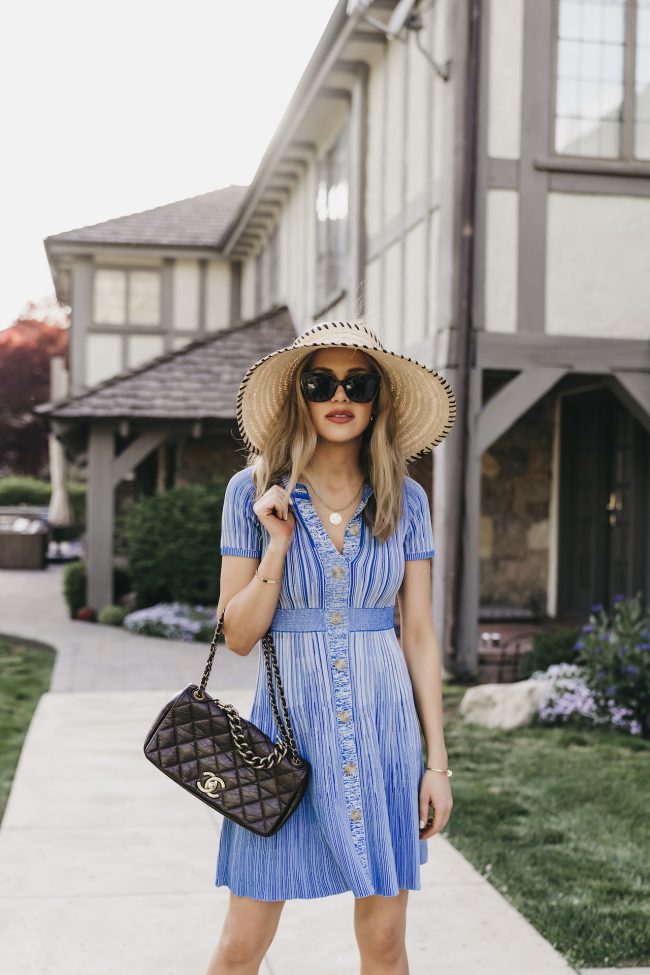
<point>26,348</point>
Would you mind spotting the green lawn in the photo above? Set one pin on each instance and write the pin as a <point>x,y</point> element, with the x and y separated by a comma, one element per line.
<point>25,672</point>
<point>558,820</point>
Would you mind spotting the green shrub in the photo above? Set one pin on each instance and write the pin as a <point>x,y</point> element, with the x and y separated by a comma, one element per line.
<point>615,654</point>
<point>18,489</point>
<point>75,584</point>
<point>22,489</point>
<point>551,647</point>
<point>172,545</point>
<point>112,615</point>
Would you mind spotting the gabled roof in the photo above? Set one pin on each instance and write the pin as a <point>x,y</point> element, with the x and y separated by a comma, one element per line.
<point>198,381</point>
<point>199,221</point>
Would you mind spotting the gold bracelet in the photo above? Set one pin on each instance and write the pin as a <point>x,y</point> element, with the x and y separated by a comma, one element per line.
<point>446,771</point>
<point>266,580</point>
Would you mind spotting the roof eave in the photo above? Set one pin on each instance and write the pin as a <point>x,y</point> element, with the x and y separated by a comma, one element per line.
<point>336,34</point>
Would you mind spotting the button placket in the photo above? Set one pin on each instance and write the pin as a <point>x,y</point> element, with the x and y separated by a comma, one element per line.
<point>336,566</point>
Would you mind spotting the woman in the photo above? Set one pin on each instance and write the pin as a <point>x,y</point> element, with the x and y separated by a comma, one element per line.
<point>318,539</point>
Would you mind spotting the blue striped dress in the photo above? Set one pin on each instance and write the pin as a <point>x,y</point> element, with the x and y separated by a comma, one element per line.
<point>351,703</point>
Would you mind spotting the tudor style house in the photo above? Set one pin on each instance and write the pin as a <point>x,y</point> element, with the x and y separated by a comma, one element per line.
<point>473,176</point>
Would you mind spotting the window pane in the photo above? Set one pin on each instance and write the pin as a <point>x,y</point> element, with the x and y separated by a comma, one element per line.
<point>569,22</point>
<point>144,298</point>
<point>568,96</point>
<point>589,86</point>
<point>642,80</point>
<point>332,219</point>
<point>642,140</point>
<point>109,297</point>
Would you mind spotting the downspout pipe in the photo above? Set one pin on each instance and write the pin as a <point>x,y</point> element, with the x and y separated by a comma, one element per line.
<point>465,350</point>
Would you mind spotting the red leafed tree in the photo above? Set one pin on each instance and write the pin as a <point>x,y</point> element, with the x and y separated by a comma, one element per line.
<point>26,348</point>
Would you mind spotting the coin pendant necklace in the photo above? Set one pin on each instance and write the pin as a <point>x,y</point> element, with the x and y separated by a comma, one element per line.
<point>335,517</point>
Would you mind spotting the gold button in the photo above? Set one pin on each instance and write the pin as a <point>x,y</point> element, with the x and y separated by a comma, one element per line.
<point>345,715</point>
<point>354,529</point>
<point>335,617</point>
<point>338,571</point>
<point>339,663</point>
<point>349,768</point>
<point>355,815</point>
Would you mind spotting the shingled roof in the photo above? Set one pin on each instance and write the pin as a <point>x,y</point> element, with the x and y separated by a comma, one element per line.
<point>199,221</point>
<point>199,381</point>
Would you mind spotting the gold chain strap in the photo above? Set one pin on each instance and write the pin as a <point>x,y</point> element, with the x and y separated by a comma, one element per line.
<point>234,719</point>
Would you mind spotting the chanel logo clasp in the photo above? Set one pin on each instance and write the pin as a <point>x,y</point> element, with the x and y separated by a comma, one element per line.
<point>211,785</point>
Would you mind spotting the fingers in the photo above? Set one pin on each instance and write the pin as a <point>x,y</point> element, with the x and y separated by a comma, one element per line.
<point>433,820</point>
<point>275,501</point>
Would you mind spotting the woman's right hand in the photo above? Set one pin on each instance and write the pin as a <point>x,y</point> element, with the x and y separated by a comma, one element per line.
<point>274,512</point>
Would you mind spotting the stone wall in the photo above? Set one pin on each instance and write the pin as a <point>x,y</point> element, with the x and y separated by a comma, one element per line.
<point>515,501</point>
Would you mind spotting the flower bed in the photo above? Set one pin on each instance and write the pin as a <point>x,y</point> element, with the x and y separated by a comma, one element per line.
<point>173,621</point>
<point>609,684</point>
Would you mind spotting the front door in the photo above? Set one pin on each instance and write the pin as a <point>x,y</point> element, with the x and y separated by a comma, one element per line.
<point>604,504</point>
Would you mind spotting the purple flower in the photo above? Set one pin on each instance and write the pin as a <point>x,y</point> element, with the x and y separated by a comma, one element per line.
<point>587,628</point>
<point>632,670</point>
<point>596,608</point>
<point>579,645</point>
<point>619,597</point>
<point>643,646</point>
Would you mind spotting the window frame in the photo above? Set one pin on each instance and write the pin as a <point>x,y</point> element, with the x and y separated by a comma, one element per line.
<point>625,158</point>
<point>267,273</point>
<point>332,291</point>
<point>127,270</point>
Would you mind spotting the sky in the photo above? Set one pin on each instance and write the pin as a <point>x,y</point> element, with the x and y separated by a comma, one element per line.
<point>112,108</point>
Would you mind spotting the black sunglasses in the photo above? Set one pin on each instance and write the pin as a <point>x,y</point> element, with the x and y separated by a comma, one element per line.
<point>318,387</point>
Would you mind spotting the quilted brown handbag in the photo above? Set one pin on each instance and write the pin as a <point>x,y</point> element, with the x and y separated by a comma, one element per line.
<point>226,761</point>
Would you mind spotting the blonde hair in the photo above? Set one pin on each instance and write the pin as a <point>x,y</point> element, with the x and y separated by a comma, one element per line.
<point>290,446</point>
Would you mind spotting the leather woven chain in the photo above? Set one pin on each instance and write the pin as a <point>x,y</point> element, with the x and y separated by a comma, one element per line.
<point>286,732</point>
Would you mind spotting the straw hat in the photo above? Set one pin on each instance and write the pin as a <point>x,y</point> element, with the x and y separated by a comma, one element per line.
<point>422,399</point>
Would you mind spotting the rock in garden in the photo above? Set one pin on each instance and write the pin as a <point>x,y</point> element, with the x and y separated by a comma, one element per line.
<point>505,705</point>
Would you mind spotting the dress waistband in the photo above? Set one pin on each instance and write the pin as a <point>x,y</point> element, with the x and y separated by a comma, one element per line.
<point>310,619</point>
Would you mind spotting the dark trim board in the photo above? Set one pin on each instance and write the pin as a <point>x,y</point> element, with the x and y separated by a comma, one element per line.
<point>511,350</point>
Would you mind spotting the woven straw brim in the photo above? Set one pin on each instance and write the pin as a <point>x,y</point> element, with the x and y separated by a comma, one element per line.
<point>423,400</point>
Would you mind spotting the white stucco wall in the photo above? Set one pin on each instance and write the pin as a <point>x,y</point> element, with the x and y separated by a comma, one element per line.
<point>598,266</point>
<point>506,22</point>
<point>419,81</point>
<point>414,284</point>
<point>248,288</point>
<point>103,357</point>
<point>186,295</point>
<point>217,295</point>
<point>140,348</point>
<point>501,261</point>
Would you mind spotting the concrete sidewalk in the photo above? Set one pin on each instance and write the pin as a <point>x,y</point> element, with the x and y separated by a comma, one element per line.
<point>107,658</point>
<point>106,866</point>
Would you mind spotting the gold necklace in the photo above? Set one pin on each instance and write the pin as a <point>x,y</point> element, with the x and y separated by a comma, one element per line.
<point>335,516</point>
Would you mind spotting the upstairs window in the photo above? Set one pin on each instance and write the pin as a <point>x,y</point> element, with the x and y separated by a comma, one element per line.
<point>126,297</point>
<point>602,84</point>
<point>267,274</point>
<point>332,221</point>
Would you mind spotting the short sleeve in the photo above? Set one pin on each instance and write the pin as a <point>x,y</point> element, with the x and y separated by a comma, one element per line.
<point>241,530</point>
<point>418,538</point>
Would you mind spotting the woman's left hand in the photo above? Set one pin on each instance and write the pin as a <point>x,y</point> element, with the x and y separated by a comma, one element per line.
<point>435,790</point>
